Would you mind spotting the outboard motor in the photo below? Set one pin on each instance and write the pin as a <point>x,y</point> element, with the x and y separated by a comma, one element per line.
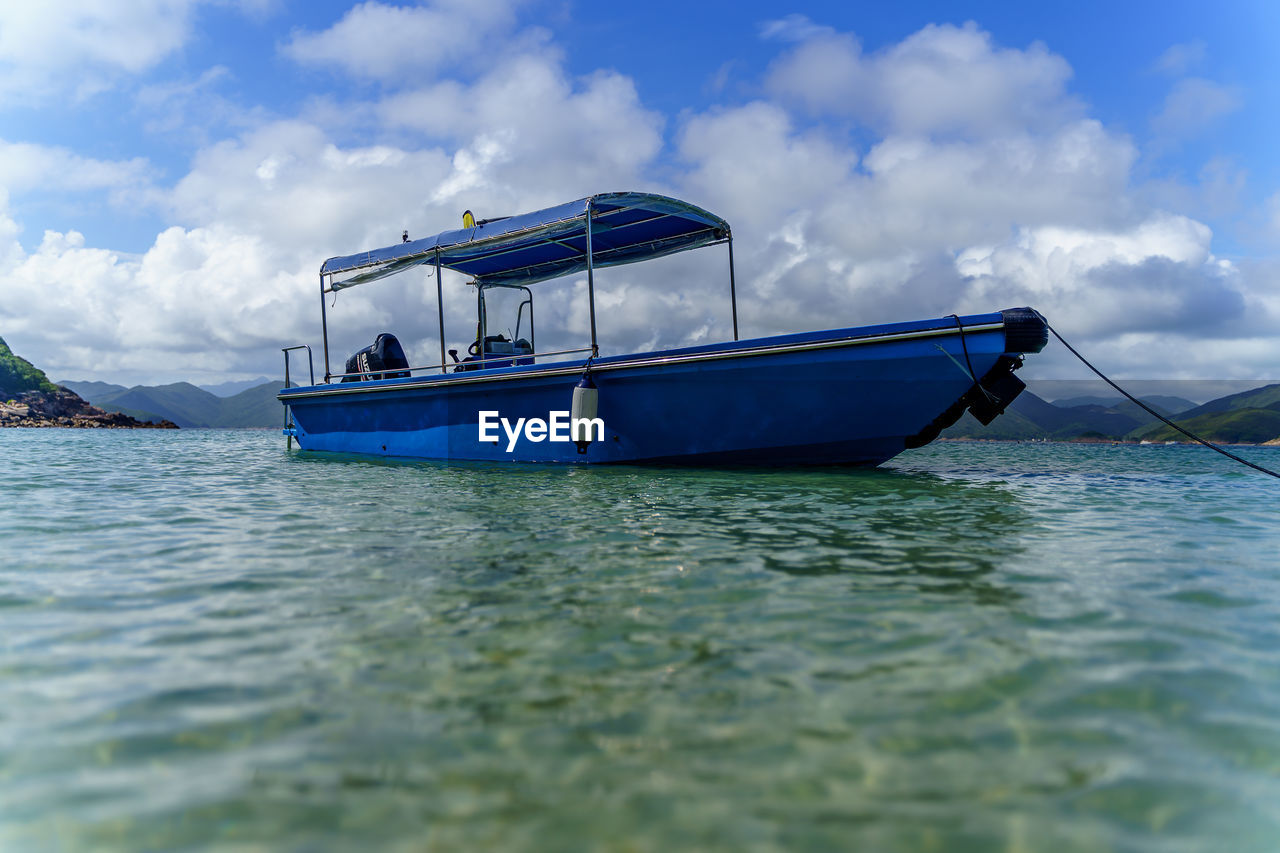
<point>383,359</point>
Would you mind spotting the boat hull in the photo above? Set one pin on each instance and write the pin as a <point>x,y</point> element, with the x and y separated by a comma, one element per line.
<point>851,396</point>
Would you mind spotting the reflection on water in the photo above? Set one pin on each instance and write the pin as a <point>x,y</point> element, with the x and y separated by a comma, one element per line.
<point>209,641</point>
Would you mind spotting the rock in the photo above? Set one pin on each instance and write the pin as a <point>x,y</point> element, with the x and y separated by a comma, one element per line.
<point>63,408</point>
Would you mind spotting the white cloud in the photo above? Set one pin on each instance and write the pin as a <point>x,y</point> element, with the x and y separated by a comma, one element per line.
<point>753,163</point>
<point>793,27</point>
<point>220,293</point>
<point>1101,280</point>
<point>1220,184</point>
<point>1193,104</point>
<point>237,279</point>
<point>288,182</point>
<point>942,79</point>
<point>26,166</point>
<point>193,107</point>
<point>827,240</point>
<point>1178,59</point>
<point>379,41</point>
<point>1271,218</point>
<point>84,45</point>
<point>527,134</point>
<point>983,186</point>
<point>1022,201</point>
<point>10,249</point>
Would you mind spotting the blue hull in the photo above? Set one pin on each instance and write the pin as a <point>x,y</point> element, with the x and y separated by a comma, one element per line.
<point>854,396</point>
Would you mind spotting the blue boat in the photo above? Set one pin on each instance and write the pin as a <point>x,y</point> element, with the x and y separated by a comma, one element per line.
<point>851,396</point>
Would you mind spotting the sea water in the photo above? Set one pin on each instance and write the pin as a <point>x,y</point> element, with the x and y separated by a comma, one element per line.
<point>209,641</point>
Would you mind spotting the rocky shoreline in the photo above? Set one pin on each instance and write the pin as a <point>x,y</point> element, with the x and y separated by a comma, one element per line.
<point>63,408</point>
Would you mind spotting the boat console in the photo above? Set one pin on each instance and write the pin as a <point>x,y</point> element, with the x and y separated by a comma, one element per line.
<point>519,351</point>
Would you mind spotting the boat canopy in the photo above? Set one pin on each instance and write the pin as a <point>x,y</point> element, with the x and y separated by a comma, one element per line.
<point>545,244</point>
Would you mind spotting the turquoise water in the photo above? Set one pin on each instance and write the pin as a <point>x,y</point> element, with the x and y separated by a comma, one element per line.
<point>206,641</point>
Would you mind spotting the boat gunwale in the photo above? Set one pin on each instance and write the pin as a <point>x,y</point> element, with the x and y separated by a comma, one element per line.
<point>623,362</point>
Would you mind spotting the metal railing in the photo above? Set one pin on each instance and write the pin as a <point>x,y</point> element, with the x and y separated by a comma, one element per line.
<point>511,357</point>
<point>311,367</point>
<point>310,362</point>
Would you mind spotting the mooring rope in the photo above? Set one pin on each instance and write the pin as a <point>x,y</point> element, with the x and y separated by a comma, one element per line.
<point>965,346</point>
<point>1151,411</point>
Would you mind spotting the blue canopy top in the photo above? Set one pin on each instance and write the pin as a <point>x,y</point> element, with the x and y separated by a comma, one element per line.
<point>625,228</point>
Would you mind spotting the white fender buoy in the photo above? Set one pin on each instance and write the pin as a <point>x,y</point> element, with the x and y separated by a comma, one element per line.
<point>585,399</point>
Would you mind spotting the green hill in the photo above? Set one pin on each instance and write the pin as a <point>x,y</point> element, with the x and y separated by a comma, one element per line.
<point>181,402</point>
<point>93,391</point>
<point>230,389</point>
<point>255,407</point>
<point>1192,391</point>
<point>1167,406</point>
<point>1164,404</point>
<point>188,406</point>
<point>1030,417</point>
<point>18,375</point>
<point>1250,417</point>
<point>1238,426</point>
<point>1266,397</point>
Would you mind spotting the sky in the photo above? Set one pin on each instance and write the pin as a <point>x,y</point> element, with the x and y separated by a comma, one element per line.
<point>174,172</point>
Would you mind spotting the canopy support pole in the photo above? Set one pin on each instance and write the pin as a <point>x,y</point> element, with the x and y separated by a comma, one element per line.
<point>440,309</point>
<point>324,328</point>
<point>591,285</point>
<point>733,290</point>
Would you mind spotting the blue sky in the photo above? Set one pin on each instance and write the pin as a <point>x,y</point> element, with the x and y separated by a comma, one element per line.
<point>177,170</point>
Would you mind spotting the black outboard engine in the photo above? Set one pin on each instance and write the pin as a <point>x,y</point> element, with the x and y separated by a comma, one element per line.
<point>383,359</point>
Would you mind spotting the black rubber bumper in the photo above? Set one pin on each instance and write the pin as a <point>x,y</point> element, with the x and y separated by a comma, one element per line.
<point>1024,330</point>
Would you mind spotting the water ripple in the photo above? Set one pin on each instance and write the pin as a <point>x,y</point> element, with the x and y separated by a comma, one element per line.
<point>210,641</point>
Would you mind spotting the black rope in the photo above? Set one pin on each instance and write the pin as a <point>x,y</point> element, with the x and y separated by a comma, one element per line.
<point>1152,411</point>
<point>972,375</point>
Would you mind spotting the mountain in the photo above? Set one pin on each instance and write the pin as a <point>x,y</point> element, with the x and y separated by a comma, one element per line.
<point>1196,390</point>
<point>230,389</point>
<point>93,391</point>
<point>1251,417</point>
<point>1238,426</point>
<point>1165,405</point>
<point>29,399</point>
<point>1030,417</point>
<point>1245,417</point>
<point>189,406</point>
<point>181,402</point>
<point>18,375</point>
<point>254,407</point>
<point>1267,397</point>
